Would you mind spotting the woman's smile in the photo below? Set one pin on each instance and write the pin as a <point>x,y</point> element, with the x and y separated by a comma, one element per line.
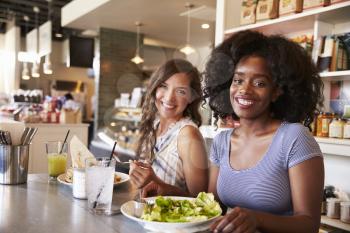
<point>244,102</point>
<point>252,89</point>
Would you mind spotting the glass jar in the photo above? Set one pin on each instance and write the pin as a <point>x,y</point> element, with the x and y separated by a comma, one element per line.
<point>333,208</point>
<point>313,124</point>
<point>336,128</point>
<point>320,116</point>
<point>346,133</point>
<point>345,211</point>
<point>323,121</point>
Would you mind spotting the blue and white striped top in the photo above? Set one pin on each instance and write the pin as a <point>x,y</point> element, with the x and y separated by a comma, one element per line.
<point>264,187</point>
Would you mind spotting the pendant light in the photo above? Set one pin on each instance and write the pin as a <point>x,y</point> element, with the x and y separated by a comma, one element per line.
<point>188,49</point>
<point>137,59</point>
<point>47,67</point>
<point>25,70</point>
<point>35,67</point>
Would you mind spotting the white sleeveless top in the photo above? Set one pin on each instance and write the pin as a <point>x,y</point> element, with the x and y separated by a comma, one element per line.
<point>167,164</point>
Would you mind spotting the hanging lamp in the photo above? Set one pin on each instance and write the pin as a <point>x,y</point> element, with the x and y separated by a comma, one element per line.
<point>47,67</point>
<point>188,49</point>
<point>137,59</point>
<point>25,70</point>
<point>35,67</point>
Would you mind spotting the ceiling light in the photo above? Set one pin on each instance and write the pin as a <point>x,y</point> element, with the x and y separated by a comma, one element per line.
<point>205,26</point>
<point>35,67</point>
<point>25,72</point>
<point>187,49</point>
<point>58,35</point>
<point>35,70</point>
<point>137,59</point>
<point>24,56</point>
<point>47,68</point>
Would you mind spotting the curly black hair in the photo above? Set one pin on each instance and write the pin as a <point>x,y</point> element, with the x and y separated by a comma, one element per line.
<point>290,66</point>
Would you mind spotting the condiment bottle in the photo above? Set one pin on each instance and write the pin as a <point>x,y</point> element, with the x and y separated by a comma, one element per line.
<point>345,211</point>
<point>326,119</point>
<point>79,190</point>
<point>313,124</point>
<point>333,208</point>
<point>320,116</point>
<point>336,128</point>
<point>347,130</point>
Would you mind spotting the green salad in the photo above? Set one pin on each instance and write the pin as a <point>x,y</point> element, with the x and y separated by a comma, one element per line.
<point>170,210</point>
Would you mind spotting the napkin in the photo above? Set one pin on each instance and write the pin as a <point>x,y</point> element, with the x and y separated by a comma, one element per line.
<point>15,128</point>
<point>79,152</point>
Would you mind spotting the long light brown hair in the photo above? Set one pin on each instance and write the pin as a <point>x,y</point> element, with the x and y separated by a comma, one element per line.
<point>149,111</point>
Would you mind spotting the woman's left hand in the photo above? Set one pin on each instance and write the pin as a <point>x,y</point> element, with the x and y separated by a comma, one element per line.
<point>154,189</point>
<point>238,220</point>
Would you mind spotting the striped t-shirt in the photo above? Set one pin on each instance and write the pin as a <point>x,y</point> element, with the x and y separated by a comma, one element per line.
<point>264,187</point>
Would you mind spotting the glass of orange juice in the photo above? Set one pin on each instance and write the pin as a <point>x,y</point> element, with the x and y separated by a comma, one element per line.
<point>57,152</point>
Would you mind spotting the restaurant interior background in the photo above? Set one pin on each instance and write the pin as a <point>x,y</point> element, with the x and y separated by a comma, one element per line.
<point>104,36</point>
<point>89,52</point>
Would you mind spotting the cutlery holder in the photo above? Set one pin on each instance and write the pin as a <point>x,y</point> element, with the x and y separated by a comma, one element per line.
<point>14,164</point>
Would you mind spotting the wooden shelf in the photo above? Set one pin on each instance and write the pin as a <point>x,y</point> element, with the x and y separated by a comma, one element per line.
<point>336,75</point>
<point>334,146</point>
<point>337,13</point>
<point>335,223</point>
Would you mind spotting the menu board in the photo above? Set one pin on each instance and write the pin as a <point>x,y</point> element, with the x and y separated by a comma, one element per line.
<point>45,38</point>
<point>32,43</point>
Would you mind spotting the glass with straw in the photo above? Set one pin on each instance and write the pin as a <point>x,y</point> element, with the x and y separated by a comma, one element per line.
<point>57,153</point>
<point>99,183</point>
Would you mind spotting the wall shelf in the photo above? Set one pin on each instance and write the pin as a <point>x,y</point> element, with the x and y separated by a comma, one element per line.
<point>334,146</point>
<point>337,13</point>
<point>336,75</point>
<point>335,223</point>
<point>331,146</point>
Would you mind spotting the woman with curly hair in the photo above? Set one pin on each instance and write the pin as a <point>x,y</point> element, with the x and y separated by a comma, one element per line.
<point>269,170</point>
<point>169,134</point>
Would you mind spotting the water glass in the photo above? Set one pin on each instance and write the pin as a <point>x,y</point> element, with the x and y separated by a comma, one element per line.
<point>99,184</point>
<point>57,152</point>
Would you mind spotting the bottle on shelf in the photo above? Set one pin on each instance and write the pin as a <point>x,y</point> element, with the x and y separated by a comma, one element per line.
<point>336,128</point>
<point>346,132</point>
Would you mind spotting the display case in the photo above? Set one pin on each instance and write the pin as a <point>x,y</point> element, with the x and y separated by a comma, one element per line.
<point>122,125</point>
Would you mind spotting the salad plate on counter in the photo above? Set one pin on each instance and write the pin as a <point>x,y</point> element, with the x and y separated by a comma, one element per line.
<point>172,213</point>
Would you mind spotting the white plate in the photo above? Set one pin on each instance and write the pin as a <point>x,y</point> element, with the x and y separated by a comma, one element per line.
<point>128,210</point>
<point>61,179</point>
<point>124,178</point>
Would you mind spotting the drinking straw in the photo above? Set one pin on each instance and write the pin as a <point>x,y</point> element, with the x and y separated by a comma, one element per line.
<point>110,158</point>
<point>64,141</point>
